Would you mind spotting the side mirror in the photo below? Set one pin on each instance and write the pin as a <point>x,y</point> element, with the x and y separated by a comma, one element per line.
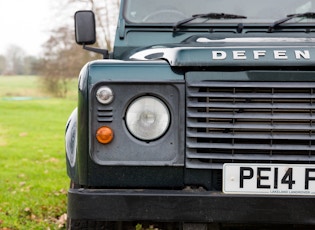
<point>84,27</point>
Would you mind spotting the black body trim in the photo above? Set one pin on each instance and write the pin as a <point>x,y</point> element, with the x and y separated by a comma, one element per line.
<point>188,206</point>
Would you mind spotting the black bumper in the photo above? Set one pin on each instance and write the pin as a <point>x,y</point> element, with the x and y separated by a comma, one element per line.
<point>188,206</point>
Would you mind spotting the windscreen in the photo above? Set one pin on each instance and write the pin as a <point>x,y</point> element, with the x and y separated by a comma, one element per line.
<point>255,11</point>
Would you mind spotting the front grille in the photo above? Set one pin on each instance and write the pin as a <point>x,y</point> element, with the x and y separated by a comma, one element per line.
<point>249,122</point>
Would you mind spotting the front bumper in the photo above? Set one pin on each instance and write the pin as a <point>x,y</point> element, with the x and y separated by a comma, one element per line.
<point>188,206</point>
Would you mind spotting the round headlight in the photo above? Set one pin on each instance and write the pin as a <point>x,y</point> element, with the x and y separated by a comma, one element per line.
<point>147,118</point>
<point>104,95</point>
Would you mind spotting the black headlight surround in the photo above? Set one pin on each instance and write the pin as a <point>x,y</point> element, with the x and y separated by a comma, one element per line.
<point>125,148</point>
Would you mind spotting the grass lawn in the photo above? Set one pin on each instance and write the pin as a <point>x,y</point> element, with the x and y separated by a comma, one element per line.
<point>33,179</point>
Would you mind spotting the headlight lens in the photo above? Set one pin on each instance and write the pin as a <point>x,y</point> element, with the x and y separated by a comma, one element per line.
<point>147,118</point>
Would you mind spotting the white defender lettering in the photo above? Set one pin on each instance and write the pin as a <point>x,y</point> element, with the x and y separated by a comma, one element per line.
<point>305,54</point>
<point>259,53</point>
<point>218,55</point>
<point>280,54</point>
<point>239,55</point>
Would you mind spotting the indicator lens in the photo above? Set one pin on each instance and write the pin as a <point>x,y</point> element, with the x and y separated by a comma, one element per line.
<point>104,135</point>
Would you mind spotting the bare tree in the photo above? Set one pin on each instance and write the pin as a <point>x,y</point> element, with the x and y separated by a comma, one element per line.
<point>30,65</point>
<point>106,16</point>
<point>14,60</point>
<point>2,64</point>
<point>63,59</point>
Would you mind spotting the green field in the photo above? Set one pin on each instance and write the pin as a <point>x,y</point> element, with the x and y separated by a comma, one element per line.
<point>33,180</point>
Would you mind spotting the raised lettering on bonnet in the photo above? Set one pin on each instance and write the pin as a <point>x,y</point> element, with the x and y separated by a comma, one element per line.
<point>259,54</point>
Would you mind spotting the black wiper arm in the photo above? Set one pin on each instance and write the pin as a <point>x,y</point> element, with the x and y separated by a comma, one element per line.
<point>209,16</point>
<point>289,17</point>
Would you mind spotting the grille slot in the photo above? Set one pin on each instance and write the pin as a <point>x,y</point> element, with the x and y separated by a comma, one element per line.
<point>249,122</point>
<point>104,114</point>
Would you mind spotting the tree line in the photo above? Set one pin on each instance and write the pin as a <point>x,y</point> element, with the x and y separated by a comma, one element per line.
<point>62,58</point>
<point>16,62</point>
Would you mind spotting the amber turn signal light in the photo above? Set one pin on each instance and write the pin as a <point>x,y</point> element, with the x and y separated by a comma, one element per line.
<point>104,135</point>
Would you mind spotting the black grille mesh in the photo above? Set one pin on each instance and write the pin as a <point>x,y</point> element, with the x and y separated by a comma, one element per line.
<point>250,122</point>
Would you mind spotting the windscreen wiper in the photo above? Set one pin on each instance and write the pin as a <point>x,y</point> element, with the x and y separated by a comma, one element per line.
<point>289,17</point>
<point>207,16</point>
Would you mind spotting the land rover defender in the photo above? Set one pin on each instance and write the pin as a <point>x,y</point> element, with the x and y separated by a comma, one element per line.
<point>202,117</point>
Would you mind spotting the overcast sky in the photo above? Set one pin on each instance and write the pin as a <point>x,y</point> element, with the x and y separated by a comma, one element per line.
<point>25,23</point>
